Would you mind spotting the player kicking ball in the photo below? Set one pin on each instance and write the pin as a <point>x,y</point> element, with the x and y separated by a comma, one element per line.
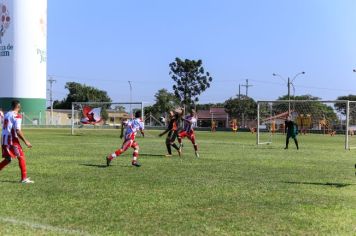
<point>190,122</point>
<point>173,131</point>
<point>131,127</point>
<point>11,136</point>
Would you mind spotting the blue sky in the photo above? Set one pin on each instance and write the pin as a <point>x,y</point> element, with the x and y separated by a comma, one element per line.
<point>106,43</point>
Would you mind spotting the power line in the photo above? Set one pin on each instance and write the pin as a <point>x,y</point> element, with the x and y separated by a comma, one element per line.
<point>215,81</point>
<point>306,87</point>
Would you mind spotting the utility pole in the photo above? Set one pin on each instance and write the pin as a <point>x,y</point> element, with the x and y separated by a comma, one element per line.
<point>247,85</point>
<point>130,98</point>
<point>51,81</point>
<point>239,91</point>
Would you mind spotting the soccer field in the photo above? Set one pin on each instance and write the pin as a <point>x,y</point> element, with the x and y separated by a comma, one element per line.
<point>234,188</point>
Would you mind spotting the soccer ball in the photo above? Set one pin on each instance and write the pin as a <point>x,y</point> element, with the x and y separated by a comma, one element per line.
<point>162,119</point>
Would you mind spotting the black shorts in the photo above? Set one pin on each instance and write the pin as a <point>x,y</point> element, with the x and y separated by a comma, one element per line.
<point>172,135</point>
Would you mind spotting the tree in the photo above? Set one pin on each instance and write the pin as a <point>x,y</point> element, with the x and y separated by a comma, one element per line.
<point>165,101</point>
<point>81,93</point>
<point>243,108</point>
<point>120,108</point>
<point>190,78</point>
<point>149,110</point>
<point>341,107</point>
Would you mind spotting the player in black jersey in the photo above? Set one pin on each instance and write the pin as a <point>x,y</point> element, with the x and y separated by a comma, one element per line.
<point>291,130</point>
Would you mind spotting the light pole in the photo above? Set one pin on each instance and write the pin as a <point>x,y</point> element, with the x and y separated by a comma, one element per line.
<point>130,99</point>
<point>51,81</point>
<point>289,83</point>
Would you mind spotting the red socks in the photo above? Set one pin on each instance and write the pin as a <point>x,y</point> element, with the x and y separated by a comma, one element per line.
<point>118,152</point>
<point>22,165</point>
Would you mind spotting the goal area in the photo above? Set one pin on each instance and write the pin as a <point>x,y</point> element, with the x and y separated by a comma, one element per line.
<point>102,115</point>
<point>315,119</point>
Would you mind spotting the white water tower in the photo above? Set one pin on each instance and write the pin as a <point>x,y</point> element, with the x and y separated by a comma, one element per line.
<point>23,55</point>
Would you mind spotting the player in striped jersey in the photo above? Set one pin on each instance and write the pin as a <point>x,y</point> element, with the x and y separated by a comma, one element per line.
<point>131,127</point>
<point>190,122</point>
<point>10,140</point>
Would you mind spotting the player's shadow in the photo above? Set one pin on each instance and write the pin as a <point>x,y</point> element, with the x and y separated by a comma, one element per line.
<point>95,165</point>
<point>150,155</point>
<point>101,165</point>
<point>9,181</point>
<point>336,185</point>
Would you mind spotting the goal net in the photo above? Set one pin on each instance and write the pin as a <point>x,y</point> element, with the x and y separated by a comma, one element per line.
<point>351,111</point>
<point>102,115</point>
<point>315,120</point>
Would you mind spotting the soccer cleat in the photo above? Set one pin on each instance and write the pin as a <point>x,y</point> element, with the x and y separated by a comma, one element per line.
<point>27,181</point>
<point>108,160</point>
<point>168,155</point>
<point>197,154</point>
<point>135,163</point>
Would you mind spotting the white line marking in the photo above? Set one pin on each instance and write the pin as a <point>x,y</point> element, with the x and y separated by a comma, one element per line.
<point>41,226</point>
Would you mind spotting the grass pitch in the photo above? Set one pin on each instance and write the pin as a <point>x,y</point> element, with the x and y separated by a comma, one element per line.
<point>234,188</point>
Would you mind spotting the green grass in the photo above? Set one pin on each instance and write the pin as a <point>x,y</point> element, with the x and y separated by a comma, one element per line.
<point>234,188</point>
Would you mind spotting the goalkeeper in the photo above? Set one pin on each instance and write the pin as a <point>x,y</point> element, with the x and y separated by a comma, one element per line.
<point>291,129</point>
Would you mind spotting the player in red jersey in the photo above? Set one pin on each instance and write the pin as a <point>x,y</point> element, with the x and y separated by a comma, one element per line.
<point>131,126</point>
<point>190,122</point>
<point>10,140</point>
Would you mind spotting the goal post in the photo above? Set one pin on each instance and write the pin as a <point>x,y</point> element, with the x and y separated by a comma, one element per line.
<point>351,113</point>
<point>313,117</point>
<point>104,115</point>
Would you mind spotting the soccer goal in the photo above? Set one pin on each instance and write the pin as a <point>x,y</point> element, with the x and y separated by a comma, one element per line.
<point>315,119</point>
<point>102,115</point>
<point>352,124</point>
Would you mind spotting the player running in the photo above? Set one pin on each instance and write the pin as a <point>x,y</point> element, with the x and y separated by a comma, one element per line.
<point>190,122</point>
<point>172,130</point>
<point>10,141</point>
<point>131,127</point>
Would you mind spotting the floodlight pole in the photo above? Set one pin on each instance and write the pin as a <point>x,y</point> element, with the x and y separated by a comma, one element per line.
<point>289,83</point>
<point>288,96</point>
<point>51,81</point>
<point>130,98</point>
